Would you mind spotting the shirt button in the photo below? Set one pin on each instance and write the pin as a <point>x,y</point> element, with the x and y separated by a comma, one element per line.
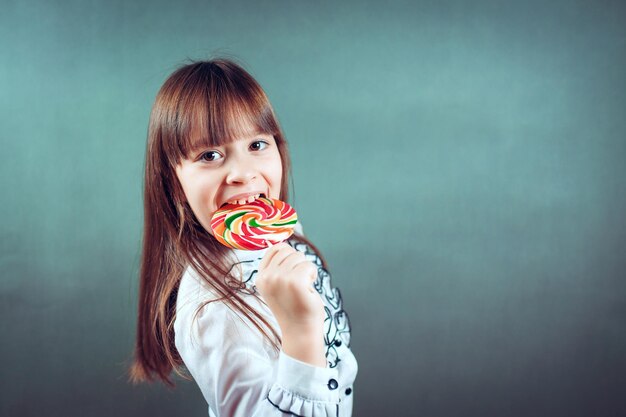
<point>332,384</point>
<point>337,342</point>
<point>348,391</point>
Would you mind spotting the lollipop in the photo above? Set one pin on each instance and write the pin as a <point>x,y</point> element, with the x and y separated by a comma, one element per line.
<point>252,226</point>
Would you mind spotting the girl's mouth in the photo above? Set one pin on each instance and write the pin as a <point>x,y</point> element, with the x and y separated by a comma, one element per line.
<point>262,195</point>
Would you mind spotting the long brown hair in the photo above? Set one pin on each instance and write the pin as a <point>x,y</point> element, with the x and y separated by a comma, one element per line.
<point>222,100</point>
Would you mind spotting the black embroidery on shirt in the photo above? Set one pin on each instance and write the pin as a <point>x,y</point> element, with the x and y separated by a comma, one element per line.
<point>337,321</point>
<point>284,411</point>
<point>289,412</point>
<point>233,282</point>
<point>253,273</point>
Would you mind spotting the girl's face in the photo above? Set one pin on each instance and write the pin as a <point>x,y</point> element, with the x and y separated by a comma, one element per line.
<point>249,165</point>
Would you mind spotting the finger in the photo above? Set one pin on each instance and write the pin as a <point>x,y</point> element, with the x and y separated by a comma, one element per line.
<point>284,252</point>
<point>308,269</point>
<point>293,259</point>
<point>313,277</point>
<point>267,258</point>
<point>274,255</point>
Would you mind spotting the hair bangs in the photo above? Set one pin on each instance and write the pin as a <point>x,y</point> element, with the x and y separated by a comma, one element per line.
<point>219,110</point>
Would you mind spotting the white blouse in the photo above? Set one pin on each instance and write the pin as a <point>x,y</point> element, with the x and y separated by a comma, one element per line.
<point>239,372</point>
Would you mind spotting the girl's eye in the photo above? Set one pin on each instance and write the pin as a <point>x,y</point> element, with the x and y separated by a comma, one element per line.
<point>260,142</point>
<point>212,156</point>
<point>209,154</point>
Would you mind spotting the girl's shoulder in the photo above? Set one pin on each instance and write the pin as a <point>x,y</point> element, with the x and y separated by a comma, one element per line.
<point>192,290</point>
<point>195,295</point>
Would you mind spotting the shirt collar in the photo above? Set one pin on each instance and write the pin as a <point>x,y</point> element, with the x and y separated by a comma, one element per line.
<point>248,255</point>
<point>246,262</point>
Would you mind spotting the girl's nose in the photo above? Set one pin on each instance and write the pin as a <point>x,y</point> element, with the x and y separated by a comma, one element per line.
<point>240,171</point>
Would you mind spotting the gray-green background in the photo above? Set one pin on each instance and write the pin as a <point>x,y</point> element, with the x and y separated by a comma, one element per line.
<point>460,164</point>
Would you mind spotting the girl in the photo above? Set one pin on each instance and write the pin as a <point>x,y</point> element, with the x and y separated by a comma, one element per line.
<point>263,333</point>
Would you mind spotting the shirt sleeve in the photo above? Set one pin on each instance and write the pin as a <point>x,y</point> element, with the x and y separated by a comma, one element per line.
<point>240,377</point>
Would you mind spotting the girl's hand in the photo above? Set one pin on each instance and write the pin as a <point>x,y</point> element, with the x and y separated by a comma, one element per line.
<point>284,280</point>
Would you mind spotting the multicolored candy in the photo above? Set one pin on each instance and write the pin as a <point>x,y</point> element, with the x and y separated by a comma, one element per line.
<point>253,226</point>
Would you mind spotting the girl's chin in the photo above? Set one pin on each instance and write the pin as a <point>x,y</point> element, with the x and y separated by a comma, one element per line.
<point>207,228</point>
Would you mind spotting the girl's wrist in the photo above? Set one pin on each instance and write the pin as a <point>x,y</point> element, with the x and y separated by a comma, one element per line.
<point>306,347</point>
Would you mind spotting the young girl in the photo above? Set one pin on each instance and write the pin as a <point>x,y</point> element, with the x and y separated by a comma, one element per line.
<point>262,332</point>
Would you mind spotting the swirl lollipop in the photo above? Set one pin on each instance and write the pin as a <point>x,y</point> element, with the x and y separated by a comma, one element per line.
<point>253,226</point>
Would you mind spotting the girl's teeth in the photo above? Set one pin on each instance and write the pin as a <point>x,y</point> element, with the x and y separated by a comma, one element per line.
<point>244,201</point>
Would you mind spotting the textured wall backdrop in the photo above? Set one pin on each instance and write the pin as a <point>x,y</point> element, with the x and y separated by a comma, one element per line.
<point>460,164</point>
